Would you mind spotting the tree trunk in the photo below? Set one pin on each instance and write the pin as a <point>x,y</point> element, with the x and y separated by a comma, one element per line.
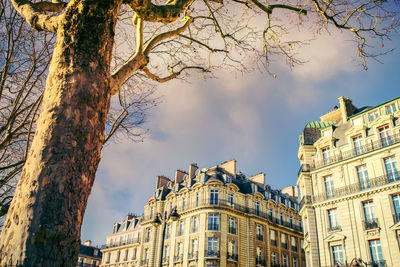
<point>44,221</point>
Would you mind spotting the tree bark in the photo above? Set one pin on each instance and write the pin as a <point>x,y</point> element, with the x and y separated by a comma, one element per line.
<point>44,221</point>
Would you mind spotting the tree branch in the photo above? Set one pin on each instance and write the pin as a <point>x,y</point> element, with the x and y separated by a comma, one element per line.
<point>268,9</point>
<point>173,74</point>
<point>32,13</point>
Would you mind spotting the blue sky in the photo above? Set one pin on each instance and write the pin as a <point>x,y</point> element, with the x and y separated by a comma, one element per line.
<point>252,118</point>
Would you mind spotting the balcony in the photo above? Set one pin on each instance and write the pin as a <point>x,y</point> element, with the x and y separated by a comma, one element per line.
<point>334,228</point>
<point>260,237</point>
<point>260,262</point>
<point>213,227</point>
<point>82,264</point>
<point>121,243</point>
<point>348,154</point>
<point>284,245</point>
<point>193,255</point>
<point>232,256</point>
<point>165,260</point>
<point>356,187</point>
<point>144,262</point>
<point>381,263</point>
<point>294,248</point>
<point>396,217</point>
<point>232,230</point>
<point>371,224</point>
<point>306,200</point>
<point>211,253</point>
<point>178,258</point>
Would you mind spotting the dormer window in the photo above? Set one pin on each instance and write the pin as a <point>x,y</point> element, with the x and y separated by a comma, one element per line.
<point>228,179</point>
<point>390,109</point>
<point>373,115</point>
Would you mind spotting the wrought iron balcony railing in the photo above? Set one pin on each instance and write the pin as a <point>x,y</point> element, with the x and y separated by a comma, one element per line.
<point>273,242</point>
<point>165,260</point>
<point>232,256</point>
<point>339,155</point>
<point>381,263</point>
<point>354,188</point>
<point>260,261</point>
<point>284,245</point>
<point>224,204</point>
<point>144,262</point>
<point>212,253</point>
<point>178,257</point>
<point>260,237</point>
<point>371,224</point>
<point>85,264</point>
<point>294,248</point>
<point>193,255</point>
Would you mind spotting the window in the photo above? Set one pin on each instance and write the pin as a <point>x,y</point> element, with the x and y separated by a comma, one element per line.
<point>257,208</point>
<point>294,243</point>
<point>333,220</point>
<point>197,199</point>
<point>376,253</point>
<point>326,154</point>
<point>391,169</point>
<point>213,197</point>
<point>166,253</point>
<point>283,241</point>
<point>134,254</point>
<point>363,179</point>
<point>273,237</point>
<point>259,232</point>
<point>195,224</point>
<point>151,212</point>
<point>228,179</point>
<point>358,145</point>
<point>396,207</point>
<point>195,246</point>
<point>180,251</point>
<point>369,215</point>
<point>259,259</point>
<point>118,256</point>
<point>337,253</point>
<point>108,258</point>
<point>147,238</point>
<point>181,226</point>
<point>373,115</point>
<point>232,225</point>
<point>184,203</point>
<point>126,255</point>
<point>329,187</point>
<point>146,254</point>
<point>385,136</point>
<point>285,260</point>
<point>212,246</point>
<point>391,108</point>
<point>230,200</point>
<point>270,214</point>
<point>281,217</point>
<point>168,231</point>
<point>290,221</point>
<point>213,222</point>
<point>274,258</point>
<point>232,249</point>
<point>295,262</point>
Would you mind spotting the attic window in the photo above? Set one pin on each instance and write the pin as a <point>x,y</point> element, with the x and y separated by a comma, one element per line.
<point>373,115</point>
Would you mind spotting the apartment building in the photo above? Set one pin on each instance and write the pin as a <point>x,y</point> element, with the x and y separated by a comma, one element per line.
<point>211,217</point>
<point>350,185</point>
<point>89,256</point>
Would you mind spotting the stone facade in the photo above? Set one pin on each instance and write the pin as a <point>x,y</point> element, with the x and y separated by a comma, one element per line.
<point>224,219</point>
<point>350,185</point>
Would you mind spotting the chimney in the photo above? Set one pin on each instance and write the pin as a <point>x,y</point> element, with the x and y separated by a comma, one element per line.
<point>229,166</point>
<point>192,170</point>
<point>129,216</point>
<point>258,178</point>
<point>88,243</point>
<point>162,181</point>
<point>179,174</point>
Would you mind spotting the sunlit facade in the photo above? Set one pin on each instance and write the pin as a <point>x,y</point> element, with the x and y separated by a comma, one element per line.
<point>223,219</point>
<point>350,185</point>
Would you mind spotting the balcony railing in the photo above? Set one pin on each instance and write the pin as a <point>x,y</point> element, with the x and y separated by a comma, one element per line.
<point>84,264</point>
<point>273,242</point>
<point>232,230</point>
<point>165,260</point>
<point>334,228</point>
<point>211,253</point>
<point>348,154</point>
<point>260,261</point>
<point>306,200</point>
<point>381,263</point>
<point>356,187</point>
<point>144,262</point>
<point>260,237</point>
<point>371,224</point>
<point>213,227</point>
<point>396,217</point>
<point>224,204</point>
<point>121,243</point>
<point>178,258</point>
<point>284,245</point>
<point>232,256</point>
<point>193,255</point>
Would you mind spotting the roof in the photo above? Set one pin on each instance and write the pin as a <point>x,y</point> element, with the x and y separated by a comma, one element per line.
<point>90,251</point>
<point>318,124</point>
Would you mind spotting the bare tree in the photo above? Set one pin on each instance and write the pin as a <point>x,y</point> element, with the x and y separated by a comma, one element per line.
<point>25,55</point>
<point>171,39</point>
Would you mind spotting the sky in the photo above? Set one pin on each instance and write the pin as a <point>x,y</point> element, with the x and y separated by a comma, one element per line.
<point>253,118</point>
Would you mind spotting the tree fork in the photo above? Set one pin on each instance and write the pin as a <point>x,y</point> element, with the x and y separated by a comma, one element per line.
<point>44,220</point>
